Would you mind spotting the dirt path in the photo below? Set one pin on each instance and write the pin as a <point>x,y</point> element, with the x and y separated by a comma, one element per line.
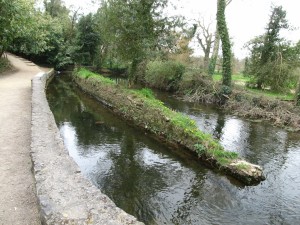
<point>18,203</point>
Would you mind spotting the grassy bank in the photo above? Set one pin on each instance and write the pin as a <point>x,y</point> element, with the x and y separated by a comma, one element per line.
<point>143,110</point>
<point>278,109</point>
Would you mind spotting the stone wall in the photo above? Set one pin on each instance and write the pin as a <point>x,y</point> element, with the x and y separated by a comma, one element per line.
<point>65,196</point>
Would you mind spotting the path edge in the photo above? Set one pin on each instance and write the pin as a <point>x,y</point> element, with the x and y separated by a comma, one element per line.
<point>64,195</point>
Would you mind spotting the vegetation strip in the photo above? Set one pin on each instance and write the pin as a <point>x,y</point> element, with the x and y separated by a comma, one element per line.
<point>140,107</point>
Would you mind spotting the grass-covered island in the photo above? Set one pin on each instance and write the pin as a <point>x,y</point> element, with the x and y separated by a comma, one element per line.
<point>142,109</point>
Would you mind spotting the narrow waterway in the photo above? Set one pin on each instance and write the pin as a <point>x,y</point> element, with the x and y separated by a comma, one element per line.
<point>159,185</point>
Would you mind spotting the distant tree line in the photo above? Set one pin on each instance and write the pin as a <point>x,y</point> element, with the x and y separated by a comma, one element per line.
<point>133,35</point>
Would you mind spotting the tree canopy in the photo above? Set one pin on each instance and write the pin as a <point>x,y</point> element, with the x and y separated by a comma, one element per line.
<point>273,59</point>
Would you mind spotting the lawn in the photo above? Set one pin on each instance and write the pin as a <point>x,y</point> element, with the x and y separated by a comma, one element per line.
<point>268,93</point>
<point>235,77</point>
<point>241,80</point>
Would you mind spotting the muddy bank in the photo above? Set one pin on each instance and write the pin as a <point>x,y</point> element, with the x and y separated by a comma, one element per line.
<point>64,195</point>
<point>255,107</point>
<point>177,130</point>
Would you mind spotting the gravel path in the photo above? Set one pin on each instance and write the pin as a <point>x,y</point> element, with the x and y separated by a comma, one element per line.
<point>18,202</point>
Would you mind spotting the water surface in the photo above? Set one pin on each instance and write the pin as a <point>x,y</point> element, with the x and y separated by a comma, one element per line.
<point>160,185</point>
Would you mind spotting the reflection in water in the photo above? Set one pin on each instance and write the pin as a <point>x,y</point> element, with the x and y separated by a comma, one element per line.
<point>166,186</point>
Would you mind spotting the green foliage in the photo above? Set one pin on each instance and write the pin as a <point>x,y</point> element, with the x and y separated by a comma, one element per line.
<point>200,149</point>
<point>226,45</point>
<point>212,65</point>
<point>4,64</point>
<point>164,74</point>
<point>235,77</point>
<point>43,36</point>
<point>274,59</point>
<point>14,19</point>
<point>84,73</point>
<point>146,92</point>
<point>194,80</point>
<point>55,8</point>
<point>271,94</point>
<point>297,93</point>
<point>133,30</point>
<point>88,41</point>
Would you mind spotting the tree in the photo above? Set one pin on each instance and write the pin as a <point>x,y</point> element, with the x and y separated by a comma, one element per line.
<point>14,19</point>
<point>43,36</point>
<point>297,93</point>
<point>277,21</point>
<point>88,39</point>
<point>182,51</point>
<point>205,39</point>
<point>215,52</point>
<point>226,45</point>
<point>134,29</point>
<point>273,59</point>
<point>55,8</point>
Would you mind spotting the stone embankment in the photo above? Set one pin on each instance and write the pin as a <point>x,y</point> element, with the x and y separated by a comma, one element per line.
<point>65,196</point>
<point>172,127</point>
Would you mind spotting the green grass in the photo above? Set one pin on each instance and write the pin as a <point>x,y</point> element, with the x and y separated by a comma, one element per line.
<point>84,73</point>
<point>146,92</point>
<point>270,94</point>
<point>267,93</point>
<point>235,77</point>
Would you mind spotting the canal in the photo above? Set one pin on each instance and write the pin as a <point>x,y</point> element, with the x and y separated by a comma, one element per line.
<point>160,185</point>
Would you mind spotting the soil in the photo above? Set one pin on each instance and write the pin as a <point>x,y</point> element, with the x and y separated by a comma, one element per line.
<point>18,202</point>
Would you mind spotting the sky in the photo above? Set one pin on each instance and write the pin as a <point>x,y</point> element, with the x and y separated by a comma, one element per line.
<point>245,18</point>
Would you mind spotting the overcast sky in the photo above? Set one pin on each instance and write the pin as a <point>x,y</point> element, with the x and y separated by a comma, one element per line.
<point>246,18</point>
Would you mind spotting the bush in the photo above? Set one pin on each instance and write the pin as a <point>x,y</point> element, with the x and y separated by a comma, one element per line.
<point>197,86</point>
<point>192,80</point>
<point>164,75</point>
<point>4,65</point>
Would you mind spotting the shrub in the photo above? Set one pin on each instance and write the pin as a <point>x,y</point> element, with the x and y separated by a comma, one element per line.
<point>193,80</point>
<point>164,75</point>
<point>146,92</point>
<point>4,64</point>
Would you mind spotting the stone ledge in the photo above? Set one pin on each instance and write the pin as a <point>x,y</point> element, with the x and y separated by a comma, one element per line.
<point>65,196</point>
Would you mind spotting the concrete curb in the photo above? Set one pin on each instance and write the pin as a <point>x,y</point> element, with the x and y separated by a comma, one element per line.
<point>64,195</point>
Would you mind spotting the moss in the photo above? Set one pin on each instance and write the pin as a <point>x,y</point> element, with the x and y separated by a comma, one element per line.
<point>242,166</point>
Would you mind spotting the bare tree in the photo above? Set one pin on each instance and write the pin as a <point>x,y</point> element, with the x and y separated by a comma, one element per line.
<point>205,39</point>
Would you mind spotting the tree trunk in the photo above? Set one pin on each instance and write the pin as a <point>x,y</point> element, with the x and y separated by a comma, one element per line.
<point>297,94</point>
<point>226,45</point>
<point>206,60</point>
<point>133,71</point>
<point>214,57</point>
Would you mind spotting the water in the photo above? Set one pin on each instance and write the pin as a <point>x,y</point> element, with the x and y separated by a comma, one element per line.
<point>160,185</point>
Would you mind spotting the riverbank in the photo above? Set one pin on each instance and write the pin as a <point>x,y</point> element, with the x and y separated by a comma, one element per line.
<point>144,111</point>
<point>244,103</point>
